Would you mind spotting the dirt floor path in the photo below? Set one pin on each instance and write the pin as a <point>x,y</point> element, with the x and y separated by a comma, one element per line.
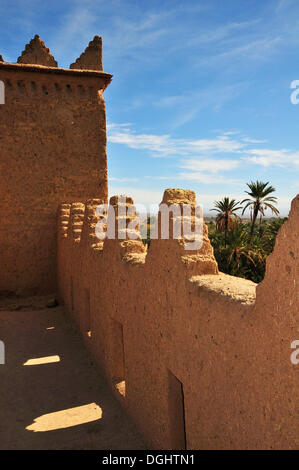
<point>52,396</point>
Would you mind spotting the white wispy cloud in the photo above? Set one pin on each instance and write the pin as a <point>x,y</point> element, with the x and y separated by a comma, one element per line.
<point>78,26</point>
<point>142,32</point>
<point>186,106</point>
<point>200,177</point>
<point>206,171</point>
<point>127,30</point>
<point>210,178</point>
<point>230,142</point>
<point>220,33</point>
<point>134,33</point>
<point>204,160</point>
<point>259,49</point>
<point>248,140</point>
<point>210,165</point>
<point>123,180</point>
<point>283,4</point>
<point>200,169</point>
<point>167,146</point>
<point>268,157</point>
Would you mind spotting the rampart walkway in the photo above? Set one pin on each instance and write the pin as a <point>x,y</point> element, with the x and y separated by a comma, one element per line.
<point>52,395</point>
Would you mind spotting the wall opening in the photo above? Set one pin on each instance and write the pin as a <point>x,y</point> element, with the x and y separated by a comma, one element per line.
<point>118,357</point>
<point>176,410</point>
<point>87,313</point>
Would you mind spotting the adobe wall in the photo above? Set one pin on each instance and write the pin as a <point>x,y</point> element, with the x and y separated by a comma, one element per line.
<point>199,359</point>
<point>52,148</point>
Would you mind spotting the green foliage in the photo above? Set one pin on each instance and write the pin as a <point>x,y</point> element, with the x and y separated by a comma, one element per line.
<point>241,249</point>
<point>244,255</point>
<point>145,230</point>
<point>226,217</point>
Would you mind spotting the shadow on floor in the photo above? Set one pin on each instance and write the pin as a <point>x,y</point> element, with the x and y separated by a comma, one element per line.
<point>60,396</point>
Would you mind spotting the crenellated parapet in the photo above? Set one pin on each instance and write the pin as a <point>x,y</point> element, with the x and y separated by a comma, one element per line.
<point>36,53</point>
<point>185,348</point>
<point>116,227</point>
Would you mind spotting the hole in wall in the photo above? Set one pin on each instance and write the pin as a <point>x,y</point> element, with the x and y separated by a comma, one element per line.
<point>120,387</point>
<point>21,86</point>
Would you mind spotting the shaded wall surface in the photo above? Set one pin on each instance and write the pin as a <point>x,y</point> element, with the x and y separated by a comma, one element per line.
<point>52,148</point>
<point>199,359</point>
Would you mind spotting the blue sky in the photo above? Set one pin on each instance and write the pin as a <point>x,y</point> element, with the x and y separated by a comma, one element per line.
<point>200,97</point>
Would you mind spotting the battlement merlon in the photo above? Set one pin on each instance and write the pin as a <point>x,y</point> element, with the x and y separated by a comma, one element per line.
<point>36,52</point>
<point>91,58</point>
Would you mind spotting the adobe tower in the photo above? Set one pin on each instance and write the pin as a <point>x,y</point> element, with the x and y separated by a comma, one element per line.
<point>52,148</point>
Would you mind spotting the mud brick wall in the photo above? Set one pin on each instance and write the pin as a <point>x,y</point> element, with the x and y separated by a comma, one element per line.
<point>52,148</point>
<point>199,359</point>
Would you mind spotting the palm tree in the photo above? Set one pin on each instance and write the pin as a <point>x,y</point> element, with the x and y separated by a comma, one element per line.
<point>260,200</point>
<point>227,216</point>
<point>237,258</point>
<point>238,251</point>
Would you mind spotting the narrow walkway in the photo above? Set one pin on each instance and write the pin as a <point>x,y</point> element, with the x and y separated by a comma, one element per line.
<point>51,394</point>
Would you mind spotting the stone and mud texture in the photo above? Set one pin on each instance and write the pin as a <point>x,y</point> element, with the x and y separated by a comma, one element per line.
<point>52,148</point>
<point>197,359</point>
